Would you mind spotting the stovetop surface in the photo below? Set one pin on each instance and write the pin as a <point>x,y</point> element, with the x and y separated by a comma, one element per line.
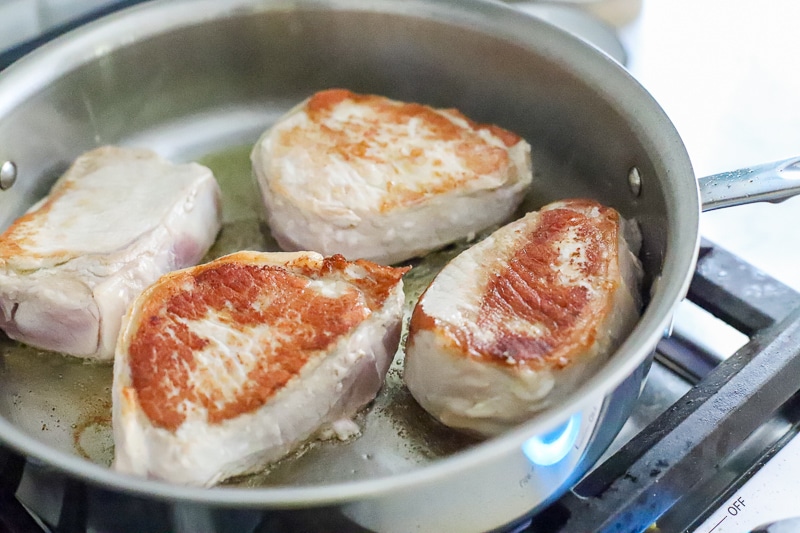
<point>722,72</point>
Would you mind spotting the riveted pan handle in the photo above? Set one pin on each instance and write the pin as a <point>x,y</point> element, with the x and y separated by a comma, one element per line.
<point>770,182</point>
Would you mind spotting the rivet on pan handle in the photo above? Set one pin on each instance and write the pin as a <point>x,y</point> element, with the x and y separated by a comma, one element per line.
<point>8,174</point>
<point>770,182</point>
<point>635,182</point>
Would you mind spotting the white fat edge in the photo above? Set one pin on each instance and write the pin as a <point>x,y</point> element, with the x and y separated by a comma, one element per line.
<point>283,259</point>
<point>95,268</point>
<point>520,157</point>
<point>130,426</point>
<point>630,266</point>
<point>45,292</point>
<point>467,393</point>
<point>106,283</point>
<point>516,388</point>
<point>632,234</point>
<point>197,215</point>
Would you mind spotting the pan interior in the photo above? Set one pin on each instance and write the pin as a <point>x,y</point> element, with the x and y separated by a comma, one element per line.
<point>66,401</point>
<point>225,81</point>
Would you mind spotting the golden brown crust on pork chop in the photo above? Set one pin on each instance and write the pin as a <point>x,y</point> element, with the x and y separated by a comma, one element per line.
<point>242,295</point>
<point>379,136</point>
<point>529,288</point>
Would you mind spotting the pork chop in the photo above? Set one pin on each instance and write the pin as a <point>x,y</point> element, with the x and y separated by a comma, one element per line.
<point>374,178</point>
<point>111,225</point>
<point>224,368</point>
<point>514,323</point>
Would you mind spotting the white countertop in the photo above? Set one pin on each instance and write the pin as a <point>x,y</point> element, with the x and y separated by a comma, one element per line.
<point>727,75</point>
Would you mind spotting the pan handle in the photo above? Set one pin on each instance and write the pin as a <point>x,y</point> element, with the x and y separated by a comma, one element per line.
<point>770,182</point>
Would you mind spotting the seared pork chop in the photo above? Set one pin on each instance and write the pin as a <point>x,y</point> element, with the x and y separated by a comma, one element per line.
<point>225,367</point>
<point>111,225</point>
<point>374,178</point>
<point>514,323</point>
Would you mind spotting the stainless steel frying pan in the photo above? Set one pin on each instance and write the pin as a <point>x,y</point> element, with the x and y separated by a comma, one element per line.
<point>199,80</point>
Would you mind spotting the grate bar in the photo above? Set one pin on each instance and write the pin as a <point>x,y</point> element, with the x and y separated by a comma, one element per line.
<point>738,293</point>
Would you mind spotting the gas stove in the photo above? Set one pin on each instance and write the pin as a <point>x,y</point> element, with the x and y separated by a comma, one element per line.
<point>719,453</point>
<point>711,444</point>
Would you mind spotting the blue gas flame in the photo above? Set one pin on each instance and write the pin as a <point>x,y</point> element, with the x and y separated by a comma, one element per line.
<point>549,449</point>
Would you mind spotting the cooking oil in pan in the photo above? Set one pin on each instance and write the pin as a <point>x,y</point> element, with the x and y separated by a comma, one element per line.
<point>63,401</point>
<point>66,402</point>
